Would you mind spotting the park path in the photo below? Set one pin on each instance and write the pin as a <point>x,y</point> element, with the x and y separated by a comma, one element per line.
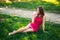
<point>27,13</point>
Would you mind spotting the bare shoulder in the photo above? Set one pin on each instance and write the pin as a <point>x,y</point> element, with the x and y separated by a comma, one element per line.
<point>44,17</point>
<point>34,14</point>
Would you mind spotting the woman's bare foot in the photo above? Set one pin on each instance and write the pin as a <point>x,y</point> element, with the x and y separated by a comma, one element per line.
<point>11,33</point>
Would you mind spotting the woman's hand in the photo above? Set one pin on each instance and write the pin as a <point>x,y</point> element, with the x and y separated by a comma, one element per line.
<point>45,31</point>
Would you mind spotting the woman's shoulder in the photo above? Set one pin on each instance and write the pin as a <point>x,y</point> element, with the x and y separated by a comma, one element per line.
<point>44,17</point>
<point>35,13</point>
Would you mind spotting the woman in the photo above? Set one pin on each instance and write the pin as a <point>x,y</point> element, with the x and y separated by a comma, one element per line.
<point>37,20</point>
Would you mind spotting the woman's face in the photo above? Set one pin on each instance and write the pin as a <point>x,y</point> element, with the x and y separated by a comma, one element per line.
<point>37,10</point>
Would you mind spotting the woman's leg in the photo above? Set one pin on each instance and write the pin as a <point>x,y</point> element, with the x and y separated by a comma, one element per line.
<point>20,30</point>
<point>29,30</point>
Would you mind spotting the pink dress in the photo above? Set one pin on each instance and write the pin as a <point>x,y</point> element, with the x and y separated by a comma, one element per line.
<point>36,25</point>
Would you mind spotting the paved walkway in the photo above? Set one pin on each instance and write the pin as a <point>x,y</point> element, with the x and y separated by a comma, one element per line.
<point>26,13</point>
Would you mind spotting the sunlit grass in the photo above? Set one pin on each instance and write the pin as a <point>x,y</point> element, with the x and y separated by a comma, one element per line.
<point>25,0</point>
<point>52,1</point>
<point>7,1</point>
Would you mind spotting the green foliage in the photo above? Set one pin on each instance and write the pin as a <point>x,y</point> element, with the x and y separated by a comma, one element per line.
<point>11,23</point>
<point>4,4</point>
<point>32,5</point>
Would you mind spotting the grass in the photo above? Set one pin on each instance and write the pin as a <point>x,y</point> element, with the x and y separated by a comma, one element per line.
<point>10,23</point>
<point>32,5</point>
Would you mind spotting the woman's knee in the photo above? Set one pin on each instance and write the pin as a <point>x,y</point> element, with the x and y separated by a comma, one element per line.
<point>28,30</point>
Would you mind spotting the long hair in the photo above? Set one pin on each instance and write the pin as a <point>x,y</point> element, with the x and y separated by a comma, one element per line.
<point>41,11</point>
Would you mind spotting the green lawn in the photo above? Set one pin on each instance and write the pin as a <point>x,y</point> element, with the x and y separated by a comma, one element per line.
<point>32,5</point>
<point>11,23</point>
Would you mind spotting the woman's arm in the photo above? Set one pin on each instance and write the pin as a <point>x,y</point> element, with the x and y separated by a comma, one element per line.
<point>43,24</point>
<point>34,16</point>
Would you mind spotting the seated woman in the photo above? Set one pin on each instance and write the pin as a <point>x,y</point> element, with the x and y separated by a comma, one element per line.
<point>37,20</point>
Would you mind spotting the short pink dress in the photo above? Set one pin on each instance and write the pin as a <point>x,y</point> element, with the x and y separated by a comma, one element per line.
<point>37,23</point>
